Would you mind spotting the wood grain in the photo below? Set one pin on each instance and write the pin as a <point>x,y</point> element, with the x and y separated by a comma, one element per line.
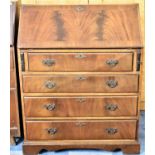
<point>80,83</point>
<point>80,130</point>
<point>127,146</point>
<point>84,106</point>
<point>64,26</point>
<point>141,4</point>
<point>11,58</point>
<point>13,109</point>
<point>86,62</point>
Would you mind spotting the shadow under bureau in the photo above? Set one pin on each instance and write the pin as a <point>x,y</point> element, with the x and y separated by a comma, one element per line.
<point>79,74</point>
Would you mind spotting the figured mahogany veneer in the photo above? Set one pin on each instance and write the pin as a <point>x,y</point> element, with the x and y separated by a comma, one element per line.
<point>81,130</point>
<point>100,26</point>
<point>88,106</point>
<point>79,75</point>
<point>80,62</point>
<point>80,83</point>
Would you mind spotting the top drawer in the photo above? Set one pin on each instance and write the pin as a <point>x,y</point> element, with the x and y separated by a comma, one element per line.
<point>80,62</point>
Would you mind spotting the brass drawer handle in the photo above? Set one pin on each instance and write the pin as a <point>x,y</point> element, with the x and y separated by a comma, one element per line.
<point>50,84</point>
<point>48,62</point>
<point>50,106</point>
<point>81,78</point>
<point>80,56</point>
<point>81,100</point>
<point>80,124</point>
<point>111,131</point>
<point>52,131</point>
<point>112,63</point>
<point>111,107</point>
<point>112,83</point>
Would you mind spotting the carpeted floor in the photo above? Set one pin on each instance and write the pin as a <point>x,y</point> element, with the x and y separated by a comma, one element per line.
<point>17,150</point>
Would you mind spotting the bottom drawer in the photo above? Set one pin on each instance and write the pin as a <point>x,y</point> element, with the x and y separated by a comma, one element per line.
<point>81,130</point>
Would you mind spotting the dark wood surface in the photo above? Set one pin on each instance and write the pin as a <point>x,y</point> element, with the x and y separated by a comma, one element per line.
<point>87,106</point>
<point>102,26</point>
<point>80,130</point>
<point>83,62</point>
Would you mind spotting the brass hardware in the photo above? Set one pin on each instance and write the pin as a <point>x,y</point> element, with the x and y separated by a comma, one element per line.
<point>50,106</point>
<point>80,124</point>
<point>48,62</point>
<point>112,63</point>
<point>50,84</point>
<point>81,78</point>
<point>111,131</point>
<point>112,83</point>
<point>52,131</point>
<point>80,8</point>
<point>80,56</point>
<point>22,62</point>
<point>111,107</point>
<point>81,100</point>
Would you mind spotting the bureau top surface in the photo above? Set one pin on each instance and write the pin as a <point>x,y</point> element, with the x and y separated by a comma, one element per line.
<point>84,26</point>
<point>12,22</point>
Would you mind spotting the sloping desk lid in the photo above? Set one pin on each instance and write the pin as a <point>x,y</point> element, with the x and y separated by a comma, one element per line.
<point>86,26</point>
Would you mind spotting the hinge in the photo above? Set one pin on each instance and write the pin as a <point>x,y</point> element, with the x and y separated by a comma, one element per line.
<point>22,62</point>
<point>138,59</point>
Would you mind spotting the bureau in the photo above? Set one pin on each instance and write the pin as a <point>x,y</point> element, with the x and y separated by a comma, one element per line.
<point>15,132</point>
<point>79,72</point>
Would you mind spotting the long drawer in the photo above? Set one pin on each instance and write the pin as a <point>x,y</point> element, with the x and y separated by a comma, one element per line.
<point>80,106</point>
<point>94,62</point>
<point>81,130</point>
<point>62,83</point>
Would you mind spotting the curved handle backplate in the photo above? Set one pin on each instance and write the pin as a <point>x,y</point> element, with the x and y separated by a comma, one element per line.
<point>112,83</point>
<point>111,131</point>
<point>50,106</point>
<point>50,84</point>
<point>111,107</point>
<point>112,62</point>
<point>48,62</point>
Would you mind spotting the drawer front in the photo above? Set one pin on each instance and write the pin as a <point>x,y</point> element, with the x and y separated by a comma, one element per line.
<point>94,62</point>
<point>81,84</point>
<point>81,130</point>
<point>12,79</point>
<point>13,108</point>
<point>80,106</point>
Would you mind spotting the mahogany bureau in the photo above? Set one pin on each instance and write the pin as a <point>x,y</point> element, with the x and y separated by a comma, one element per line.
<point>15,132</point>
<point>79,75</point>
